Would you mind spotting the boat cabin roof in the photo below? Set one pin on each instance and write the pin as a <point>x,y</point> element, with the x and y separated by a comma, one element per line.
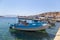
<point>28,19</point>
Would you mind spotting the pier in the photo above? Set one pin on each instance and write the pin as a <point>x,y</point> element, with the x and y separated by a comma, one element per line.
<point>57,37</point>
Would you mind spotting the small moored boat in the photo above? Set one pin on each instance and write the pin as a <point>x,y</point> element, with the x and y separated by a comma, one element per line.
<point>29,25</point>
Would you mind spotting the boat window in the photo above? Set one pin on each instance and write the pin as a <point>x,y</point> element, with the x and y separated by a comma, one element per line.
<point>29,21</point>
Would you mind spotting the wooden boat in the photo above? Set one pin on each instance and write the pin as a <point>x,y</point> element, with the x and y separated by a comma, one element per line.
<point>29,25</point>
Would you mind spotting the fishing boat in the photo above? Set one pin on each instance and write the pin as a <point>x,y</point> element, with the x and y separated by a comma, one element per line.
<point>25,24</point>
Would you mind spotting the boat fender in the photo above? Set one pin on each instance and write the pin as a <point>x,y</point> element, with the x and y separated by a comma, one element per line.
<point>44,24</point>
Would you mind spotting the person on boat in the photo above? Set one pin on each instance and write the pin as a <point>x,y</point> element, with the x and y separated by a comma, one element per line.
<point>25,23</point>
<point>22,22</point>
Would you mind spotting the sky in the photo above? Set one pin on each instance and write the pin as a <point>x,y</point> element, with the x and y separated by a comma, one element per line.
<point>28,7</point>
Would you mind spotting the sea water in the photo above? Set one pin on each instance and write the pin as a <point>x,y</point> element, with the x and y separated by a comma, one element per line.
<point>5,34</point>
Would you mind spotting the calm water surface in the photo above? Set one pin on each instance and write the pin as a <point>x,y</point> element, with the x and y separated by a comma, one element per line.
<point>5,34</point>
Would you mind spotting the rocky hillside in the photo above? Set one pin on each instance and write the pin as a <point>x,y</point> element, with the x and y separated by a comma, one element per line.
<point>47,14</point>
<point>50,14</point>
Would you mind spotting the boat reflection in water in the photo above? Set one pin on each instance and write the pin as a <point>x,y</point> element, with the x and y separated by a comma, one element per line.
<point>24,35</point>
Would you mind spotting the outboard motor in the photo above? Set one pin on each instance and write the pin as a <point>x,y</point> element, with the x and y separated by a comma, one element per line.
<point>11,26</point>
